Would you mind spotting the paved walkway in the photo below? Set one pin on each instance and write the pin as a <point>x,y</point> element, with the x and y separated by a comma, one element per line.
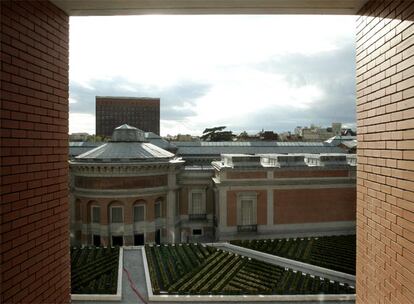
<point>130,292</point>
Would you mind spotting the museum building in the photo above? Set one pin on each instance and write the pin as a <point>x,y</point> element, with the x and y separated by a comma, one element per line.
<point>130,192</point>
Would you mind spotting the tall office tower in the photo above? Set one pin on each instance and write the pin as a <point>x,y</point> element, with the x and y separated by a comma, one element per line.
<point>140,112</point>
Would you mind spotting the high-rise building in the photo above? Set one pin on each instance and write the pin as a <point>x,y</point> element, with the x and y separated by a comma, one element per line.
<point>140,112</point>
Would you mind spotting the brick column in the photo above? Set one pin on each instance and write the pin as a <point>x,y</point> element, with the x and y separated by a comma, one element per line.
<point>34,152</point>
<point>385,177</point>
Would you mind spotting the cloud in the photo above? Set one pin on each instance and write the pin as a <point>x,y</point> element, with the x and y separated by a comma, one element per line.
<point>332,72</point>
<point>246,72</point>
<point>177,101</point>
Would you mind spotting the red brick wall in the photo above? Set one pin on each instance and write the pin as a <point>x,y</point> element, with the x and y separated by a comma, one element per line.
<point>246,174</point>
<point>261,207</point>
<point>34,126</point>
<point>385,114</point>
<point>311,172</point>
<point>295,206</point>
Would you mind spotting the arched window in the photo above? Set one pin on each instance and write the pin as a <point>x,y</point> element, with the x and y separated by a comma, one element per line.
<point>139,211</point>
<point>94,212</point>
<point>116,213</point>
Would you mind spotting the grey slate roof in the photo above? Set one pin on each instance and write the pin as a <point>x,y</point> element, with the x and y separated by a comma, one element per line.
<point>125,152</point>
<point>78,147</point>
<point>127,146</point>
<point>255,147</point>
<point>158,140</point>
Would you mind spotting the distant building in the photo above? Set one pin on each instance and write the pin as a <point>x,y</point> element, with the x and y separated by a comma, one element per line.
<point>78,136</point>
<point>314,133</point>
<point>142,112</point>
<point>184,137</point>
<point>347,143</point>
<point>129,191</point>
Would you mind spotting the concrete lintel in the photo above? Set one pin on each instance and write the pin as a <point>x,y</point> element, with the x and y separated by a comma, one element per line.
<point>139,7</point>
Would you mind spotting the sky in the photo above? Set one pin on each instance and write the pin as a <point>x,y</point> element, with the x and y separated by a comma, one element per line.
<point>245,72</point>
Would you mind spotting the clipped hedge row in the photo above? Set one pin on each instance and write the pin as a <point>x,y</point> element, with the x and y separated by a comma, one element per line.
<point>168,263</point>
<point>333,252</point>
<point>94,270</point>
<point>219,272</point>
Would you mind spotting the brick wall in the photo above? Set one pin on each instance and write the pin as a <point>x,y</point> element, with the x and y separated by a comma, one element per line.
<point>34,126</point>
<point>310,172</point>
<point>246,174</point>
<point>385,114</point>
<point>294,206</point>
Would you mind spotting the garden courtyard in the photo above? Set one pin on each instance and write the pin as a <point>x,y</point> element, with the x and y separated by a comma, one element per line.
<point>194,271</point>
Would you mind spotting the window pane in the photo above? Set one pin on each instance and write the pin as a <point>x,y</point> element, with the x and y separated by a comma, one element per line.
<point>246,212</point>
<point>196,203</point>
<point>116,214</point>
<point>197,232</point>
<point>139,215</point>
<point>96,215</point>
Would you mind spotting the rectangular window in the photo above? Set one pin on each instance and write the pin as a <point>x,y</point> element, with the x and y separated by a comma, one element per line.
<point>139,213</point>
<point>96,214</point>
<point>157,209</point>
<point>116,215</point>
<point>197,231</point>
<point>117,241</point>
<point>196,203</point>
<point>96,240</point>
<point>139,239</point>
<point>247,212</point>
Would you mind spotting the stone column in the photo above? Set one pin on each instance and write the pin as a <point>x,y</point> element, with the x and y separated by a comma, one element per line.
<point>170,205</point>
<point>170,216</point>
<point>222,205</point>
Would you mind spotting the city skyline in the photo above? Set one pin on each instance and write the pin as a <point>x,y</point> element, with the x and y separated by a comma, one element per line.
<point>258,79</point>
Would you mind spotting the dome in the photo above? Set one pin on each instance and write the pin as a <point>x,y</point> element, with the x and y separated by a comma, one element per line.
<point>127,145</point>
<point>128,133</point>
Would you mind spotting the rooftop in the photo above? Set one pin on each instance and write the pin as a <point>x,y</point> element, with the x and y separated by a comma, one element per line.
<point>127,145</point>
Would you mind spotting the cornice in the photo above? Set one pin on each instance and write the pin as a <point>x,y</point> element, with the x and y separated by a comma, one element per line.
<point>119,169</point>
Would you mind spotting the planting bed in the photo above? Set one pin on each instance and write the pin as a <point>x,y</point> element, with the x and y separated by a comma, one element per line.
<point>194,269</point>
<point>94,270</point>
<point>333,252</point>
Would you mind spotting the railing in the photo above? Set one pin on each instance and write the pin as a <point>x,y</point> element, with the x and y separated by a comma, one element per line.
<point>246,228</point>
<point>197,217</point>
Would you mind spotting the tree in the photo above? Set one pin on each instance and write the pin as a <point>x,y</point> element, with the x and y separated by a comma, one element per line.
<point>217,134</point>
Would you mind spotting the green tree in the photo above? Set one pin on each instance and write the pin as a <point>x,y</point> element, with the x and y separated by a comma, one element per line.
<point>217,134</point>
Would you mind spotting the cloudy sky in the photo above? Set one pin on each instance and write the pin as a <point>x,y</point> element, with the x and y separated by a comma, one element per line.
<point>245,72</point>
